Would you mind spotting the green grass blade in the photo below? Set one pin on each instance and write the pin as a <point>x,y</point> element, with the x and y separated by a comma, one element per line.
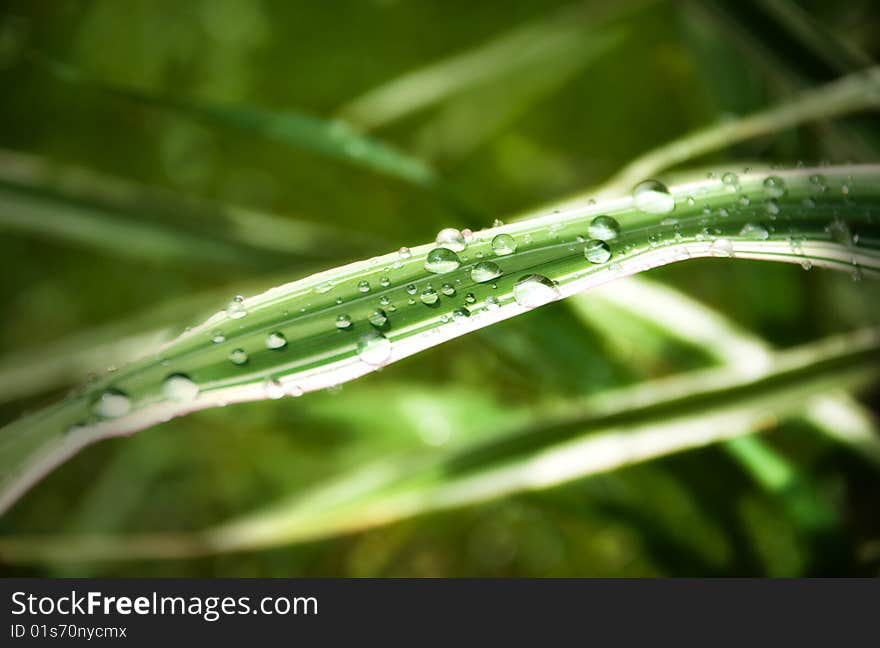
<point>796,216</point>
<point>574,439</point>
<point>332,138</point>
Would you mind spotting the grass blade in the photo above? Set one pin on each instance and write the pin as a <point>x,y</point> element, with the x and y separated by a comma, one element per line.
<point>317,332</point>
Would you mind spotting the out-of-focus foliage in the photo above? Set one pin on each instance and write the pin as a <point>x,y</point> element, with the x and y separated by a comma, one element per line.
<point>581,92</point>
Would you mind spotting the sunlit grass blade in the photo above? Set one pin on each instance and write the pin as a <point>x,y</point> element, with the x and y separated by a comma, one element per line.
<point>333,138</point>
<point>50,200</point>
<point>564,442</point>
<point>343,323</point>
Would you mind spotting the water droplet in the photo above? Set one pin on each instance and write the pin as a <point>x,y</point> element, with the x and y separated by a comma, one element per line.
<point>730,179</point>
<point>179,387</point>
<point>492,303</point>
<point>235,309</point>
<point>448,289</point>
<point>772,207</point>
<point>343,322</point>
<point>604,228</point>
<point>441,260</point>
<point>276,340</point>
<point>721,247</point>
<point>451,238</point>
<point>653,197</point>
<point>404,253</point>
<point>460,314</point>
<point>364,286</point>
<point>485,271</point>
<point>429,296</point>
<point>774,186</point>
<point>384,281</point>
<point>273,389</point>
<point>755,230</point>
<point>374,349</point>
<point>238,356</point>
<point>411,289</point>
<point>470,298</point>
<point>504,244</point>
<point>113,403</point>
<point>324,287</point>
<point>535,290</point>
<point>378,318</point>
<point>597,251</point>
<point>217,337</point>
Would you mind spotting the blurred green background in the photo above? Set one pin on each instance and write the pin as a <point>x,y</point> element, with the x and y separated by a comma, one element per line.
<point>590,88</point>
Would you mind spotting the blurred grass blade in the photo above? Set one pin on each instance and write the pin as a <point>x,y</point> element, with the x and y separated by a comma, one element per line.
<point>329,137</point>
<point>565,442</point>
<point>857,92</point>
<point>343,323</point>
<point>537,44</point>
<point>837,415</point>
<point>47,199</point>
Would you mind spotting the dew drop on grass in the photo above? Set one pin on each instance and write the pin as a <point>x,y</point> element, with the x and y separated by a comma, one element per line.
<point>451,238</point>
<point>273,389</point>
<point>604,228</point>
<point>535,290</point>
<point>755,231</point>
<point>441,260</point>
<point>235,309</point>
<point>503,244</point>
<point>653,197</point>
<point>217,337</point>
<point>374,349</point>
<point>470,298</point>
<point>378,318</point>
<point>485,271</point>
<point>597,251</point>
<point>429,296</point>
<point>384,281</point>
<point>113,403</point>
<point>448,289</point>
<point>730,179</point>
<point>343,322</point>
<point>721,247</point>
<point>772,207</point>
<point>492,303</point>
<point>404,253</point>
<point>276,340</point>
<point>774,186</point>
<point>179,387</point>
<point>238,357</point>
<point>460,314</point>
<point>364,286</point>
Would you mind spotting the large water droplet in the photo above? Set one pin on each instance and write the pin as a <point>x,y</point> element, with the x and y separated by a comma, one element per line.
<point>597,251</point>
<point>276,340</point>
<point>535,290</point>
<point>503,244</point>
<point>485,271</point>
<point>440,260</point>
<point>374,349</point>
<point>451,238</point>
<point>113,403</point>
<point>604,228</point>
<point>235,309</point>
<point>774,186</point>
<point>721,247</point>
<point>653,197</point>
<point>179,387</point>
<point>238,356</point>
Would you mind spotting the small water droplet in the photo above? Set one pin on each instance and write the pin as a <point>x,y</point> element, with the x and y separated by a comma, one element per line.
<point>374,349</point>
<point>535,290</point>
<point>721,247</point>
<point>774,186</point>
<point>273,389</point>
<point>755,231</point>
<point>441,260</point>
<point>451,238</point>
<point>730,179</point>
<point>404,253</point>
<point>604,228</point>
<point>113,403</point>
<point>460,314</point>
<point>238,356</point>
<point>597,251</point>
<point>217,337</point>
<point>276,340</point>
<point>324,287</point>
<point>235,309</point>
<point>429,296</point>
<point>384,281</point>
<point>772,207</point>
<point>343,322</point>
<point>504,244</point>
<point>470,298</point>
<point>180,387</point>
<point>485,271</point>
<point>411,289</point>
<point>378,318</point>
<point>364,286</point>
<point>448,289</point>
<point>653,197</point>
<point>492,303</point>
